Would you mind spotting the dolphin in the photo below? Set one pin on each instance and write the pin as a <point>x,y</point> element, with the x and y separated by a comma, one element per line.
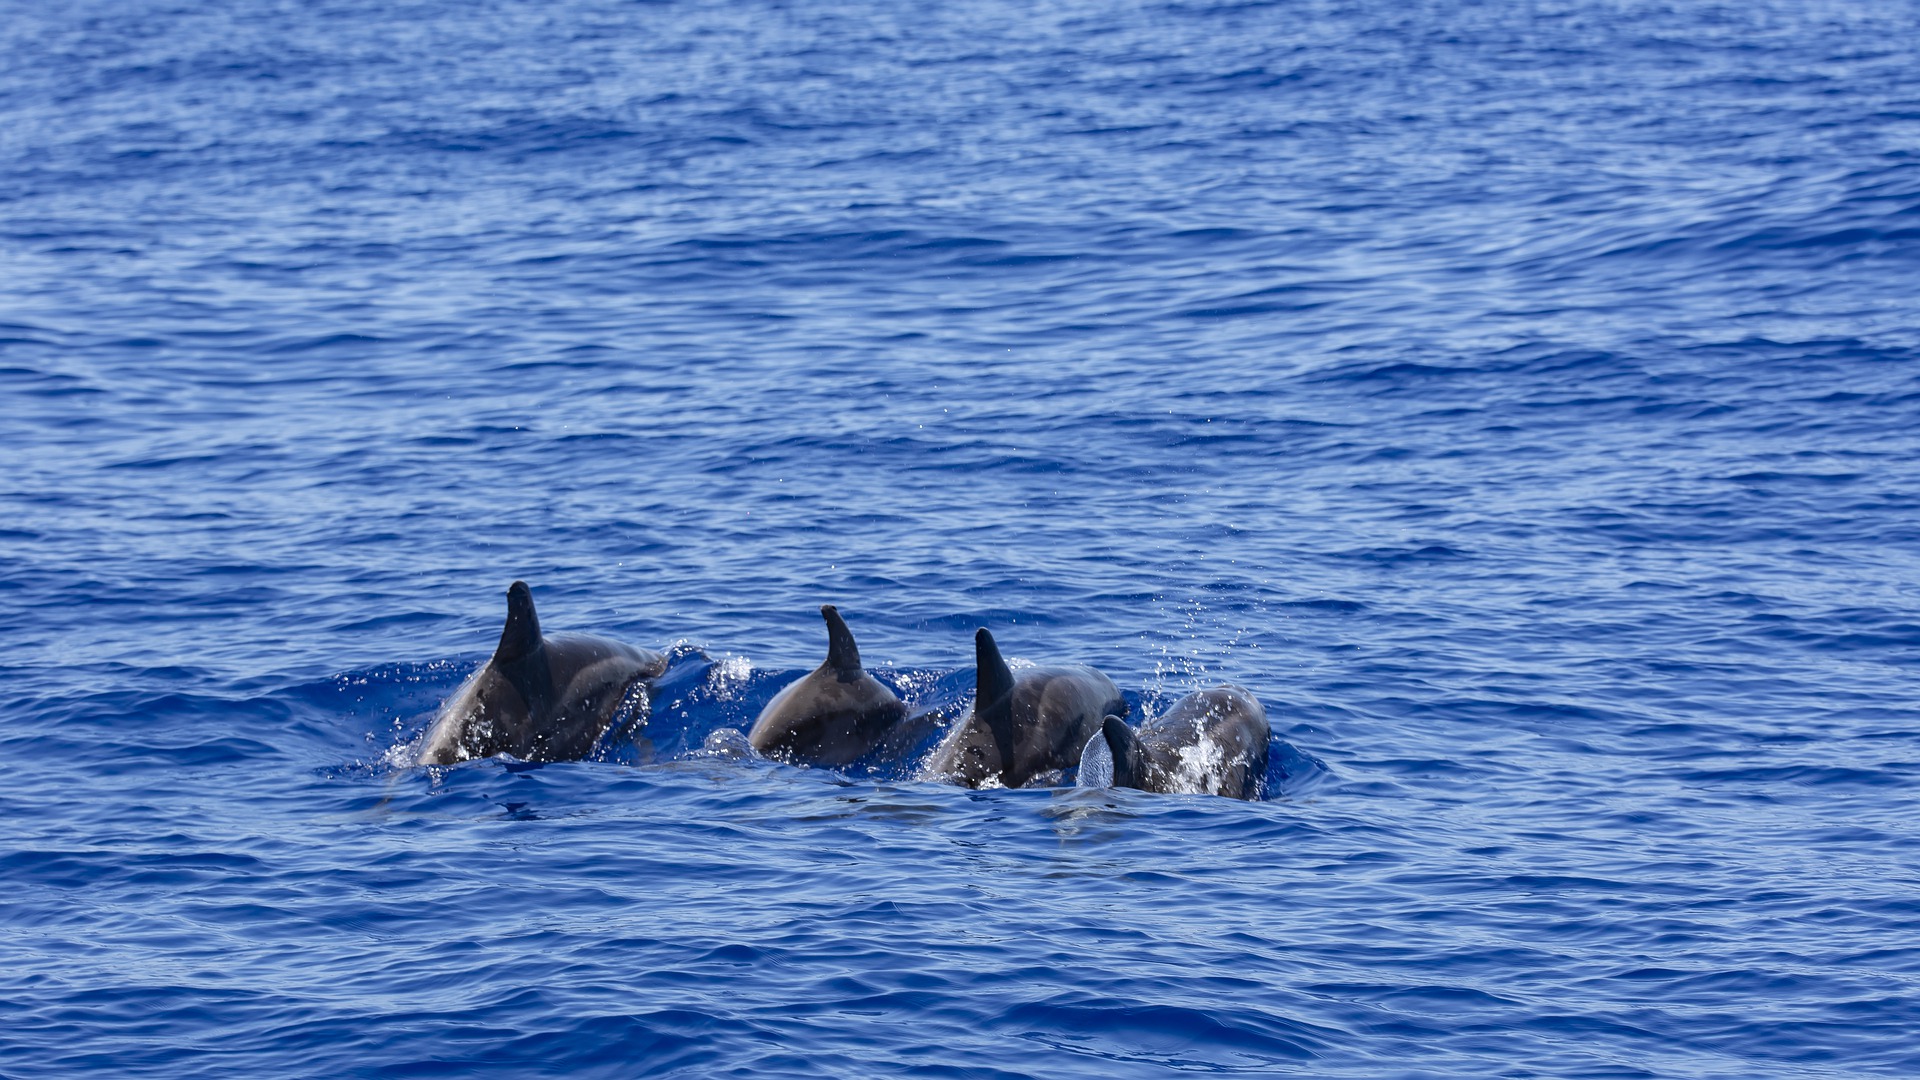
<point>538,698</point>
<point>1211,742</point>
<point>833,715</point>
<point>1026,725</point>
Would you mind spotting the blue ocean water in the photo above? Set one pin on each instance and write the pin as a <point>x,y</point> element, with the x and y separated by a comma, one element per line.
<point>1520,398</point>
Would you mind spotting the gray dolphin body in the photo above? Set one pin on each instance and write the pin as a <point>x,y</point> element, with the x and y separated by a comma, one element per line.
<point>833,715</point>
<point>1211,742</point>
<point>1026,725</point>
<point>538,698</point>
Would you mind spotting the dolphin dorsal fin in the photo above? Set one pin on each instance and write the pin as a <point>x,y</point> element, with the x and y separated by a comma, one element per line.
<point>842,653</point>
<point>521,635</point>
<point>993,695</point>
<point>1125,749</point>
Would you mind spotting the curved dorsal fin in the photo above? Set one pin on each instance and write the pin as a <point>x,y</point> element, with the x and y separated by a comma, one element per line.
<point>842,653</point>
<point>1125,750</point>
<point>993,696</point>
<point>521,635</point>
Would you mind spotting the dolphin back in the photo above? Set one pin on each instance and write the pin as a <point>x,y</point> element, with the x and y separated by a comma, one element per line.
<point>538,698</point>
<point>1210,742</point>
<point>1026,725</point>
<point>833,715</point>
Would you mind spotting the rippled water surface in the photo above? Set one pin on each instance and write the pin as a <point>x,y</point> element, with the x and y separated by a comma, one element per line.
<point>1520,398</point>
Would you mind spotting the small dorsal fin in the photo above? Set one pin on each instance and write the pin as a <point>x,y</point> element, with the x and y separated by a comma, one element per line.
<point>993,696</point>
<point>521,635</point>
<point>842,653</point>
<point>1125,750</point>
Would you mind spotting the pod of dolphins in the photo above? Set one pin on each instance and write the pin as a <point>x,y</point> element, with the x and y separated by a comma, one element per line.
<point>549,697</point>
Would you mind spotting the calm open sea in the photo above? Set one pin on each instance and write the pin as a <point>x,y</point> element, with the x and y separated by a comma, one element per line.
<point>1522,398</point>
